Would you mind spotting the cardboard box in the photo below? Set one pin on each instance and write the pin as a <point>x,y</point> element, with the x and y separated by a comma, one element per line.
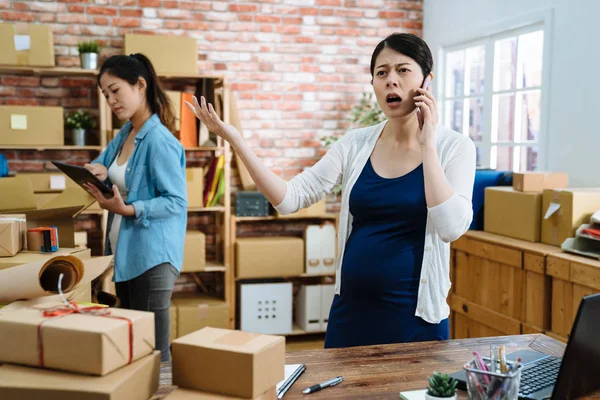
<point>48,182</point>
<point>206,360</point>
<point>195,187</point>
<point>266,308</point>
<point>31,126</point>
<point>97,344</point>
<point>539,181</point>
<point>184,394</point>
<point>26,44</point>
<point>318,209</point>
<point>563,211</point>
<point>172,323</point>
<point>138,381</point>
<point>13,234</point>
<point>264,257</point>
<point>170,55</point>
<point>58,212</point>
<point>194,252</point>
<point>175,99</point>
<point>197,311</point>
<point>513,214</point>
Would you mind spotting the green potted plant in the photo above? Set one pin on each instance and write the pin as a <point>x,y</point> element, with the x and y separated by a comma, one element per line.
<point>79,122</point>
<point>441,386</point>
<point>88,54</point>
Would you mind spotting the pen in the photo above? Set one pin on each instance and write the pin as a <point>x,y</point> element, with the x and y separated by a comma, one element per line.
<point>319,386</point>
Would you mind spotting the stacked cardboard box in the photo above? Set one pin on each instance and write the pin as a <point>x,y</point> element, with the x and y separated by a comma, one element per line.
<point>225,364</point>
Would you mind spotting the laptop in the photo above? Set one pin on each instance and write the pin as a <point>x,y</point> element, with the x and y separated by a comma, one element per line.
<point>575,374</point>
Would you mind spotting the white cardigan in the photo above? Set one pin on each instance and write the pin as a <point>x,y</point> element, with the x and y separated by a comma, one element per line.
<point>446,222</point>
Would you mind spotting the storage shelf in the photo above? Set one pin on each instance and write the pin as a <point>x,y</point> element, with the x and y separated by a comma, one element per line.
<point>73,71</point>
<point>260,278</point>
<point>207,209</point>
<point>297,331</point>
<point>275,218</point>
<point>214,267</point>
<point>43,148</point>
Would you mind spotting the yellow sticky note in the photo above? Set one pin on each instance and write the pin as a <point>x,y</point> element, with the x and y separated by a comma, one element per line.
<point>18,122</point>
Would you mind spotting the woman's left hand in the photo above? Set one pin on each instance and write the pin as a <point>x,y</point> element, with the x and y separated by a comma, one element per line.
<point>428,107</point>
<point>115,204</point>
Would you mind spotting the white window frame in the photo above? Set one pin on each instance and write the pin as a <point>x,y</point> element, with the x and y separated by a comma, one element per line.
<point>487,36</point>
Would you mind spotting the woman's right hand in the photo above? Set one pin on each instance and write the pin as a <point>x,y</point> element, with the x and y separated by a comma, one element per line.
<point>209,117</point>
<point>98,170</point>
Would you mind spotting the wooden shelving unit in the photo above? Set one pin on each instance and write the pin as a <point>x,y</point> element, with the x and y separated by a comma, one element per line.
<point>234,220</point>
<point>106,133</point>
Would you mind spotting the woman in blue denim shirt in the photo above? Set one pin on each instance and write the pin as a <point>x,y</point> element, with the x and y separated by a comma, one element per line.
<point>145,164</point>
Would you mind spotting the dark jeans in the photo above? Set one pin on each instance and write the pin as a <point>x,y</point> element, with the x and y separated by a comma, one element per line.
<point>151,291</point>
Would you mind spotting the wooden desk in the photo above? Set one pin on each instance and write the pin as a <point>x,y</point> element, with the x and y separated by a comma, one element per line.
<point>382,372</point>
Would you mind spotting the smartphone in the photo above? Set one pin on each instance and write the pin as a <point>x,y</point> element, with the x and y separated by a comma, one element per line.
<point>425,86</point>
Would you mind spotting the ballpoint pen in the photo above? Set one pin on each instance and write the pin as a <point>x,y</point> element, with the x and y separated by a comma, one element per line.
<point>319,386</point>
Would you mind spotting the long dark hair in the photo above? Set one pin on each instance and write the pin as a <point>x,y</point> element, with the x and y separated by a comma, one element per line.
<point>408,44</point>
<point>133,67</point>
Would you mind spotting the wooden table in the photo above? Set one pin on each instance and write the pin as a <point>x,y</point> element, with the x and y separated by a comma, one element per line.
<point>382,372</point>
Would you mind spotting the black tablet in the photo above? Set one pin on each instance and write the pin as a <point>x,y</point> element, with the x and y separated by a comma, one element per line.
<point>81,176</point>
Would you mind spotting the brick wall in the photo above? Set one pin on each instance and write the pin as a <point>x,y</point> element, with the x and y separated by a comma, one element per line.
<point>297,66</point>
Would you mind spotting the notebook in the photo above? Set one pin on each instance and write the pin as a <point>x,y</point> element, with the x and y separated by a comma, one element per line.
<point>413,395</point>
<point>292,373</point>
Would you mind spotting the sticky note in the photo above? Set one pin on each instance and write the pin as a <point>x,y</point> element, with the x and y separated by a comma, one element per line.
<point>57,182</point>
<point>22,42</point>
<point>18,122</point>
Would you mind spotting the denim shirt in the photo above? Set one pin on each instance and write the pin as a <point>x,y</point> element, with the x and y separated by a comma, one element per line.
<point>156,186</point>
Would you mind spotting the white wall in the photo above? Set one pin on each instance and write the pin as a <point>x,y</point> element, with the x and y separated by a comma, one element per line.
<point>573,125</point>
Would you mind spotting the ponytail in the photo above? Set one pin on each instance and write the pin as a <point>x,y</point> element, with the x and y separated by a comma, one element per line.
<point>131,68</point>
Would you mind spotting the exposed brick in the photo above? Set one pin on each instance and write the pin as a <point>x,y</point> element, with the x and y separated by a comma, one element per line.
<point>194,25</point>
<point>391,14</point>
<point>7,91</point>
<point>130,13</point>
<point>22,102</point>
<point>149,3</point>
<point>111,11</point>
<point>243,8</point>
<point>126,22</point>
<point>20,6</point>
<point>335,3</point>
<point>309,11</point>
<point>101,20</point>
<point>76,8</point>
<point>412,25</point>
<point>73,19</point>
<point>270,19</point>
<point>21,81</point>
<point>47,17</point>
<point>17,16</point>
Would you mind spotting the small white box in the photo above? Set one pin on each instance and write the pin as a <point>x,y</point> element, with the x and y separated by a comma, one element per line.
<point>327,294</point>
<point>320,249</point>
<point>266,308</point>
<point>308,308</point>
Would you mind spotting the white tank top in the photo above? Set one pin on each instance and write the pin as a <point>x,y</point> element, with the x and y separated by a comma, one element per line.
<point>116,174</point>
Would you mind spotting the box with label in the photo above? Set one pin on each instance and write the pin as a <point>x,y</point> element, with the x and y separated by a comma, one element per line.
<point>26,44</point>
<point>99,341</point>
<point>264,257</point>
<point>185,394</point>
<point>194,252</point>
<point>196,311</point>
<point>308,308</point>
<point>170,55</point>
<point>320,249</point>
<point>31,126</point>
<point>137,381</point>
<point>266,308</point>
<point>48,182</point>
<point>565,210</point>
<point>539,181</point>
<point>195,187</point>
<point>319,209</point>
<point>13,234</point>
<point>327,295</point>
<point>206,360</point>
<point>511,213</point>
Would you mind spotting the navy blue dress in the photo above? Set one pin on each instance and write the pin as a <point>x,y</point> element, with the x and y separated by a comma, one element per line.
<point>382,265</point>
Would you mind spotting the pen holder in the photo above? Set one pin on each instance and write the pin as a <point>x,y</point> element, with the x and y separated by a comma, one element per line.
<point>484,385</point>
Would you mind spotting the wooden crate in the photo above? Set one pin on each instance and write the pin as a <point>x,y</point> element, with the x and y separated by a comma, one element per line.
<point>500,286</point>
<point>573,277</point>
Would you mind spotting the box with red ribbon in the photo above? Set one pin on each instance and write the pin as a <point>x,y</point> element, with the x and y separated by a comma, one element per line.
<point>92,340</point>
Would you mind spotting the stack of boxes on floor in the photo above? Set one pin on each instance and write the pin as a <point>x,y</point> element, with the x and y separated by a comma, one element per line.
<point>269,307</point>
<point>540,207</point>
<point>220,364</point>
